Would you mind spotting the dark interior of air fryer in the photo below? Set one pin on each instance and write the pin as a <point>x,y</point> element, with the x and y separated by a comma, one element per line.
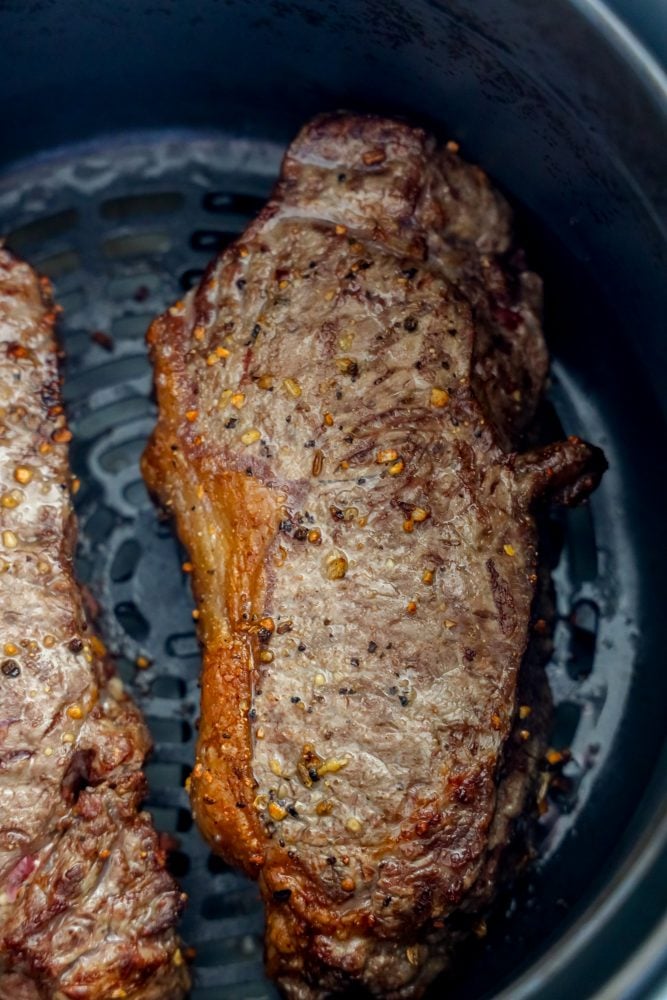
<point>126,223</point>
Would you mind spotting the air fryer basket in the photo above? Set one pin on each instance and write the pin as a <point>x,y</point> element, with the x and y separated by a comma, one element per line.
<point>125,215</point>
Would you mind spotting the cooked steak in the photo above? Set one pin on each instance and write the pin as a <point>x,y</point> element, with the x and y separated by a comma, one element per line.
<point>87,910</point>
<point>339,404</point>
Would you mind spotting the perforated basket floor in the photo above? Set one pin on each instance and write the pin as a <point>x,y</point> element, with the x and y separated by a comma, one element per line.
<point>123,229</point>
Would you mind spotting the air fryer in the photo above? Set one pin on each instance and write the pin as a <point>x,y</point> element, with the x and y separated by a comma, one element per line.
<point>139,139</point>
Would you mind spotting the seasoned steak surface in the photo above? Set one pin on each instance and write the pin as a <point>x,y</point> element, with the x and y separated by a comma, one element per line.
<point>87,910</point>
<point>339,403</point>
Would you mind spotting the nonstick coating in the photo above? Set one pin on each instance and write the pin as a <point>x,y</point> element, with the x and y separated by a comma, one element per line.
<point>136,141</point>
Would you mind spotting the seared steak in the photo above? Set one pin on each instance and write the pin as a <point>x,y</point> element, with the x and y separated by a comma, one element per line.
<point>339,404</point>
<point>87,910</point>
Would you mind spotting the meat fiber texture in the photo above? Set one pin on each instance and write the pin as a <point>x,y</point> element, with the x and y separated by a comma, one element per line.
<point>87,910</point>
<point>339,405</point>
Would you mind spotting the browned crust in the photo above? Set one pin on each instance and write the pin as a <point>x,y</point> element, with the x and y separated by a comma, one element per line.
<point>221,784</point>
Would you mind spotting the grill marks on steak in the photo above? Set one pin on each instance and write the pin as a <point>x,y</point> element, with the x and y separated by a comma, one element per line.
<point>338,404</point>
<point>87,909</point>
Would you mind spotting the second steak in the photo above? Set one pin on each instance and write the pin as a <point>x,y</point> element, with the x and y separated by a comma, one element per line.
<point>340,401</point>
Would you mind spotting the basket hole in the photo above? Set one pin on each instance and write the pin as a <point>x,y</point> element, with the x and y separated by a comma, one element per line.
<point>120,456</point>
<point>184,821</point>
<point>131,327</point>
<point>170,730</point>
<point>141,204</point>
<point>100,524</point>
<point>178,863</point>
<point>211,240</point>
<point>102,376</point>
<point>163,529</point>
<point>581,544</point>
<point>125,561</point>
<point>182,645</point>
<point>59,263</point>
<point>566,722</point>
<point>171,819</point>
<point>132,621</point>
<point>36,233</point>
<point>584,621</point>
<point>216,865</point>
<point>136,245</point>
<point>103,418</point>
<point>232,204</point>
<point>190,278</point>
<point>136,494</point>
<point>168,687</point>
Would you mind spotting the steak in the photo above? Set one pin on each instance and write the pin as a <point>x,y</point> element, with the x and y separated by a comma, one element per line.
<point>341,401</point>
<point>87,910</point>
